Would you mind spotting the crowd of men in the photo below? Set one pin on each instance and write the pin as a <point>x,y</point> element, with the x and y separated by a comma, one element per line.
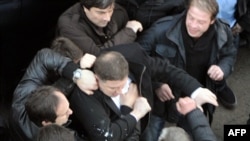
<point>119,70</point>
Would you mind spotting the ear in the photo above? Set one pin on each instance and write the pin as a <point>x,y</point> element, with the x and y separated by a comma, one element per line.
<point>212,22</point>
<point>45,123</point>
<point>97,78</point>
<point>84,9</point>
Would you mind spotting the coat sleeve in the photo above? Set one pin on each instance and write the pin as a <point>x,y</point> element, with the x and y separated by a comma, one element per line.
<point>163,71</point>
<point>227,52</point>
<point>137,131</point>
<point>200,128</point>
<point>243,14</point>
<point>156,33</point>
<point>36,75</point>
<point>148,39</point>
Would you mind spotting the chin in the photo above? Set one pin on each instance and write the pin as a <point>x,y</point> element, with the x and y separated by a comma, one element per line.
<point>194,35</point>
<point>67,123</point>
<point>103,25</point>
<point>115,95</point>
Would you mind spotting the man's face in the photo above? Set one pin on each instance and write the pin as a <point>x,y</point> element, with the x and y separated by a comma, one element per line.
<point>63,111</point>
<point>197,22</point>
<point>112,88</point>
<point>99,17</point>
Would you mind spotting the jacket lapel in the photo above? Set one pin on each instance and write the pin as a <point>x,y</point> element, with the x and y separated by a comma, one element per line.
<point>112,105</point>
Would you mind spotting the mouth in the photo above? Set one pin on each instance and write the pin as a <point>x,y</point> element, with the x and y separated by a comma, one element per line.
<point>192,30</point>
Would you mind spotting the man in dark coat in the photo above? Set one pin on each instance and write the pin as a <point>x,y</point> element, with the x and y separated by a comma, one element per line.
<point>97,24</point>
<point>45,69</point>
<point>199,43</point>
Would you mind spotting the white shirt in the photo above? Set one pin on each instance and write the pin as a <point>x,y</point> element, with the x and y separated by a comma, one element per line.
<point>116,99</point>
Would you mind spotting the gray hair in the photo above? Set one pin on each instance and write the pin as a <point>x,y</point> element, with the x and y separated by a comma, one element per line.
<point>174,134</point>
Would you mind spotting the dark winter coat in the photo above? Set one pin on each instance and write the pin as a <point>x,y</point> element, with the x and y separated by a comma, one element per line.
<point>75,25</point>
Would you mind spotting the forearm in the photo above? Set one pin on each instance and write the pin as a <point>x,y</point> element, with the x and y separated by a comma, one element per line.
<point>123,36</point>
<point>125,110</point>
<point>68,70</point>
<point>173,76</point>
<point>201,130</point>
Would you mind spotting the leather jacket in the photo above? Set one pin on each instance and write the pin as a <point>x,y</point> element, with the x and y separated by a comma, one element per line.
<point>21,128</point>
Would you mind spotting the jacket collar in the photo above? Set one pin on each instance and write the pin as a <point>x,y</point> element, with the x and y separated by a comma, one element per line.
<point>175,36</point>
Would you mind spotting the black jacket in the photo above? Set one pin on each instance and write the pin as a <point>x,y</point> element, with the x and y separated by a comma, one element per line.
<point>243,14</point>
<point>99,117</point>
<point>75,25</point>
<point>37,74</point>
<point>164,39</point>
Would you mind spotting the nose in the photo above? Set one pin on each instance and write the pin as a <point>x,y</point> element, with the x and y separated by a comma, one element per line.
<point>107,16</point>
<point>118,91</point>
<point>70,112</point>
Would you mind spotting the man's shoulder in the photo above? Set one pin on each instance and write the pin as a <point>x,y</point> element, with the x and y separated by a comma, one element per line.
<point>222,25</point>
<point>223,22</point>
<point>78,97</point>
<point>165,19</point>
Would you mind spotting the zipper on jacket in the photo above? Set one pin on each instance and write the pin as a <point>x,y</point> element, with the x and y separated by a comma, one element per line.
<point>140,83</point>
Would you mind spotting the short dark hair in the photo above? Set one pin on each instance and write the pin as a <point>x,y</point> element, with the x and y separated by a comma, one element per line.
<point>102,4</point>
<point>41,105</point>
<point>54,132</point>
<point>111,65</point>
<point>67,48</point>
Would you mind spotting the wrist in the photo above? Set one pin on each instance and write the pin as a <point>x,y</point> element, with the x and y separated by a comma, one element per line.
<point>77,74</point>
<point>134,115</point>
<point>68,70</point>
<point>196,92</point>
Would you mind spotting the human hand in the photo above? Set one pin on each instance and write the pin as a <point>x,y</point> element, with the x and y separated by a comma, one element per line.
<point>141,108</point>
<point>203,96</point>
<point>135,26</point>
<point>87,61</point>
<point>87,82</point>
<point>215,73</point>
<point>185,105</point>
<point>129,98</point>
<point>237,29</point>
<point>164,93</point>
